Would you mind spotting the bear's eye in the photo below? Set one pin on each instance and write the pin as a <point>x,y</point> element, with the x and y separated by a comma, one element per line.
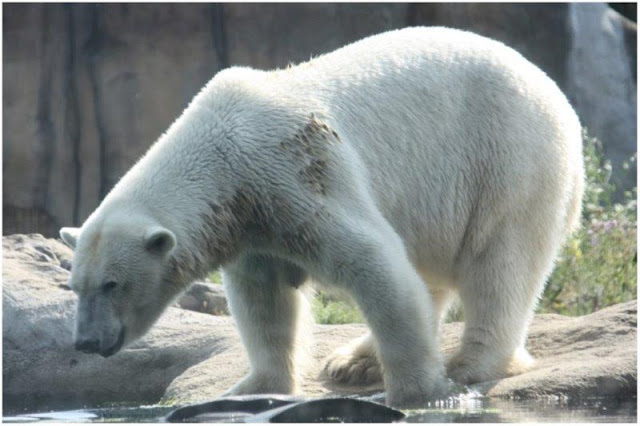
<point>109,285</point>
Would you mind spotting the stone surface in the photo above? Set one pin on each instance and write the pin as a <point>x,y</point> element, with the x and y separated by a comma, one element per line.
<point>40,367</point>
<point>607,108</point>
<point>89,87</point>
<point>190,357</point>
<point>204,297</point>
<point>590,356</point>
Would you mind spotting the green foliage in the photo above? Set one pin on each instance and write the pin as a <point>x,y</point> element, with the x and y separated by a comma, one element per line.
<point>455,313</point>
<point>597,266</point>
<point>215,277</point>
<point>327,310</point>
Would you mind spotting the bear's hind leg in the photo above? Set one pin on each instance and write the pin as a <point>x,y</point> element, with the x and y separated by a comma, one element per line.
<point>499,290</point>
<point>272,315</point>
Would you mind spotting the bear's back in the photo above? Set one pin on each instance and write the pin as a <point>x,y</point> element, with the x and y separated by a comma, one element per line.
<point>444,120</point>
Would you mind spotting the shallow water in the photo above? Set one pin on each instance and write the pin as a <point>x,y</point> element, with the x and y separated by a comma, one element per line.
<point>482,410</point>
<point>465,410</point>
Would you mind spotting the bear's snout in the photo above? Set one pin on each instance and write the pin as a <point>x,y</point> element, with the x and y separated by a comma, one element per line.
<point>104,348</point>
<point>88,346</point>
<point>113,349</point>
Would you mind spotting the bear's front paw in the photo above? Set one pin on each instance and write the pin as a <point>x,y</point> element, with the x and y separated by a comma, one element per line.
<point>262,384</point>
<point>347,367</point>
<point>417,390</point>
<point>466,371</point>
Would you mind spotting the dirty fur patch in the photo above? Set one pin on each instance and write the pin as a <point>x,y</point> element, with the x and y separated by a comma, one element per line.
<point>226,224</point>
<point>311,145</point>
<point>218,239</point>
<point>315,175</point>
<point>304,240</point>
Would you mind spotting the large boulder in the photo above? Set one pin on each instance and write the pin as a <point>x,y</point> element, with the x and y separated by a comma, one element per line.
<point>602,82</point>
<point>41,369</point>
<point>191,357</point>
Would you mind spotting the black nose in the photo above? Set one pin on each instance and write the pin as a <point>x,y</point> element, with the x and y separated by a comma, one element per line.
<point>88,346</point>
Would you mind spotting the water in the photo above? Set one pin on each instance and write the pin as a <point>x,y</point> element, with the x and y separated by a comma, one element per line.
<point>526,411</point>
<point>464,410</point>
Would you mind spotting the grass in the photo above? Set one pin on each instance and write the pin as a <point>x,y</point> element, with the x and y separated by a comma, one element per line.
<point>597,266</point>
<point>329,310</point>
<point>326,308</point>
<point>215,277</point>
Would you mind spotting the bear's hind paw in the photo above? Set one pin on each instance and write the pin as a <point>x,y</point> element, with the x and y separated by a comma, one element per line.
<point>353,369</point>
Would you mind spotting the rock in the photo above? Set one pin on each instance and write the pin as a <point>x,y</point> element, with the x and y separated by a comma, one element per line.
<point>89,87</point>
<point>593,355</point>
<point>189,357</point>
<point>240,407</point>
<point>205,297</point>
<point>95,86</point>
<point>285,409</point>
<point>602,84</point>
<point>41,369</point>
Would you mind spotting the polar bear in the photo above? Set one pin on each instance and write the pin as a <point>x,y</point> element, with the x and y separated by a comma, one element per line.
<point>403,169</point>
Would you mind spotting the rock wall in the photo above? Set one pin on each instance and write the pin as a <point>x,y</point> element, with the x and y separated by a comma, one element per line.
<point>89,87</point>
<point>603,50</point>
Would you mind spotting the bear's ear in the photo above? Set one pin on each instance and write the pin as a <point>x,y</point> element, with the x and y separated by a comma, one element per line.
<point>70,236</point>
<point>159,240</point>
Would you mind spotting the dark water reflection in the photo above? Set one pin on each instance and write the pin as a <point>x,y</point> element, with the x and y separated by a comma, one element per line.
<point>469,410</point>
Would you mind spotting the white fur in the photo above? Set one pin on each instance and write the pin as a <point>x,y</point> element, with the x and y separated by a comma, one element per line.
<point>420,156</point>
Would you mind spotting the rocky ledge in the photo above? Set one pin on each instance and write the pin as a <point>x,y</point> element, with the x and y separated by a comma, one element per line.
<point>190,356</point>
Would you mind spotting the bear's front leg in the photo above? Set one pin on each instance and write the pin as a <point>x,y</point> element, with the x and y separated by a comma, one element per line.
<point>367,258</point>
<point>272,316</point>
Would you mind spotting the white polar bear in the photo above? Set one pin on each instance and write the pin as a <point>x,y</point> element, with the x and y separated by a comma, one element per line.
<point>403,168</point>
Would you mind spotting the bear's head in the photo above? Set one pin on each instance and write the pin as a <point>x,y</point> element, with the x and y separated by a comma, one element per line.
<point>121,272</point>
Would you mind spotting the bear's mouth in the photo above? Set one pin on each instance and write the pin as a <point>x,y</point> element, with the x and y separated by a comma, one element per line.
<point>115,347</point>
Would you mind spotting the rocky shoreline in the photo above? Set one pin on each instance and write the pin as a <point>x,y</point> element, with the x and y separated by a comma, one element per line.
<point>191,356</point>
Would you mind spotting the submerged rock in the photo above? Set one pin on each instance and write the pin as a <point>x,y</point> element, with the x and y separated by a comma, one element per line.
<point>286,409</point>
<point>228,408</point>
<point>331,410</point>
<point>190,357</point>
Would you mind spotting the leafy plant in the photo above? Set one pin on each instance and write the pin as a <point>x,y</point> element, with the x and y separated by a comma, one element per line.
<point>327,310</point>
<point>597,266</point>
<point>215,277</point>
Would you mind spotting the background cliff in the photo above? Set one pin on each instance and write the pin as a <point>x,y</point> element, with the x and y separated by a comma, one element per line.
<point>87,88</point>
